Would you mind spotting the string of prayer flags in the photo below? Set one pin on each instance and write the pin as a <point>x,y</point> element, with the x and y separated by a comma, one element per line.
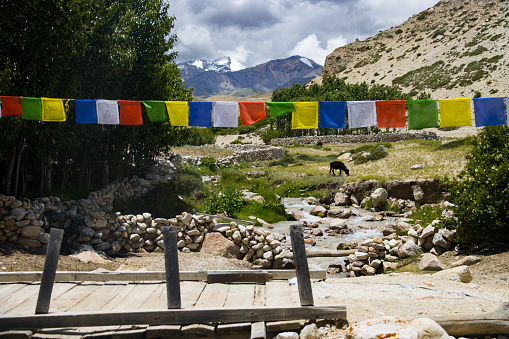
<point>226,113</point>
<point>391,113</point>
<point>422,114</point>
<point>200,114</point>
<point>85,111</point>
<point>489,111</point>
<point>0,109</point>
<point>107,112</point>
<point>305,115</point>
<point>129,112</point>
<point>11,106</point>
<point>155,110</point>
<point>31,108</point>
<point>361,113</point>
<point>178,112</point>
<point>251,112</point>
<point>455,112</point>
<point>278,109</point>
<point>332,114</point>
<point>52,110</point>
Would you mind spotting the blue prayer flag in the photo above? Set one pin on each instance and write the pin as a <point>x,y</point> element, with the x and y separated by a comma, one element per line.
<point>332,114</point>
<point>489,111</point>
<point>85,111</point>
<point>200,114</point>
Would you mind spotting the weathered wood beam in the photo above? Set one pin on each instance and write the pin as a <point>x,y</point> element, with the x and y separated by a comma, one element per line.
<point>64,276</point>
<point>172,317</point>
<point>238,276</point>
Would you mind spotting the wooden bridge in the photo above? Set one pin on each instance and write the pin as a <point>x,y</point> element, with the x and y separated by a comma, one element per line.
<point>219,304</point>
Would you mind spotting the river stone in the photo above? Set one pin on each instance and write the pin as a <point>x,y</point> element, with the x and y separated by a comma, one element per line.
<point>409,249</point>
<point>468,261</point>
<point>460,273</point>
<point>342,199</point>
<point>310,332</point>
<point>430,262</point>
<point>368,270</point>
<point>429,230</point>
<point>379,197</point>
<point>215,243</point>
<point>428,328</point>
<point>418,193</point>
<point>29,242</point>
<point>439,240</point>
<point>186,219</point>
<point>319,211</point>
<point>385,327</point>
<point>101,223</point>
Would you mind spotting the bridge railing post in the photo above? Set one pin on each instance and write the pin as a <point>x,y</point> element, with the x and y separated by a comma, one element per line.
<point>301,265</point>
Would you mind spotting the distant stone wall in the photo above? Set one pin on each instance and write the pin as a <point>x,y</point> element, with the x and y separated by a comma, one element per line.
<point>380,137</point>
<point>248,153</point>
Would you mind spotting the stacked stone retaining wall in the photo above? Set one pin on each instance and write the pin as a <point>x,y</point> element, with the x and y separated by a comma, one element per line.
<point>380,137</point>
<point>248,153</point>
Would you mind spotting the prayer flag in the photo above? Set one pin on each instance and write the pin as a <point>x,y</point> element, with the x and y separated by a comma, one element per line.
<point>422,114</point>
<point>31,108</point>
<point>52,109</point>
<point>361,113</point>
<point>107,112</point>
<point>305,115</point>
<point>226,114</point>
<point>332,114</point>
<point>155,110</point>
<point>200,114</point>
<point>0,109</point>
<point>85,111</point>
<point>178,112</point>
<point>251,112</point>
<point>391,113</point>
<point>455,112</point>
<point>278,109</point>
<point>129,112</point>
<point>10,106</point>
<point>489,111</point>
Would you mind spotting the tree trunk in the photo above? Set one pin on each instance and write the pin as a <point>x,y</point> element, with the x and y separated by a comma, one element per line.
<point>8,171</point>
<point>47,182</point>
<point>104,175</point>
<point>41,179</point>
<point>22,146</point>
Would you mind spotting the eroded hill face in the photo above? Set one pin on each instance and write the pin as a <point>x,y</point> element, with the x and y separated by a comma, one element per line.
<point>454,49</point>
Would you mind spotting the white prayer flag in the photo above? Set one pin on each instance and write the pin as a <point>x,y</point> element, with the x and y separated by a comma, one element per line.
<point>361,114</point>
<point>107,112</point>
<point>226,114</point>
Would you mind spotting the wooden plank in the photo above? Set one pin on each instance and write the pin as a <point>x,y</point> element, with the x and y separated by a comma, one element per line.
<point>28,306</point>
<point>277,293</point>
<point>301,265</point>
<point>172,317</point>
<point>101,296</point>
<point>213,295</point>
<point>8,289</point>
<point>171,264</point>
<point>240,295</point>
<point>191,291</point>
<point>201,330</point>
<point>49,271</point>
<point>259,295</point>
<point>238,276</point>
<point>162,331</point>
<point>72,297</point>
<point>20,296</point>
<point>138,295</point>
<point>156,300</point>
<point>66,276</point>
<point>258,330</point>
<point>119,296</point>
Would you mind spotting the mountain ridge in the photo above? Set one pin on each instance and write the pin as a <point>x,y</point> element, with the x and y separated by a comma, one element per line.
<point>453,49</point>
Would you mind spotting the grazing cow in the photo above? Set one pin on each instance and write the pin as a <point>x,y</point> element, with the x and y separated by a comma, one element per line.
<point>338,165</point>
<point>319,144</point>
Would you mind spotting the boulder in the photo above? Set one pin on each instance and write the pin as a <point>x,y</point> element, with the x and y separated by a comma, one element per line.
<point>430,262</point>
<point>409,249</point>
<point>30,231</point>
<point>429,329</point>
<point>439,240</point>
<point>460,273</point>
<point>468,261</point>
<point>385,327</point>
<point>310,332</point>
<point>342,199</point>
<point>319,211</point>
<point>379,197</point>
<point>214,243</point>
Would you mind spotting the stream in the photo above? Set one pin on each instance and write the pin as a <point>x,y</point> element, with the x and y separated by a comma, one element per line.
<point>362,229</point>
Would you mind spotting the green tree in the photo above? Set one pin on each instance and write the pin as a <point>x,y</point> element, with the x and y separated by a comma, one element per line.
<point>85,49</point>
<point>481,190</point>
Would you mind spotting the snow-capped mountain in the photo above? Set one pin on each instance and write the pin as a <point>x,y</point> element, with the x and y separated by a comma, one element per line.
<point>224,77</point>
<point>189,69</point>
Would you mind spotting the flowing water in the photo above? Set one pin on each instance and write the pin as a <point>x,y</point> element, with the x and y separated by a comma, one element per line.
<point>361,229</point>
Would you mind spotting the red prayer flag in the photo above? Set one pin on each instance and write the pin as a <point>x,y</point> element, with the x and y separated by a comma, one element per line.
<point>130,112</point>
<point>251,112</point>
<point>391,114</point>
<point>11,106</point>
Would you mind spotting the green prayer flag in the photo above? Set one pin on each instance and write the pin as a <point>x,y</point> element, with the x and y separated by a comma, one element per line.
<point>422,114</point>
<point>156,110</point>
<point>31,108</point>
<point>278,109</point>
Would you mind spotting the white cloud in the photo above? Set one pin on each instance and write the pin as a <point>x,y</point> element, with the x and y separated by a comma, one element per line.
<point>310,47</point>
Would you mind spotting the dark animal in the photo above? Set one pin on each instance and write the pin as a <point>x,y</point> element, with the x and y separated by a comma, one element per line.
<point>338,165</point>
<point>319,144</point>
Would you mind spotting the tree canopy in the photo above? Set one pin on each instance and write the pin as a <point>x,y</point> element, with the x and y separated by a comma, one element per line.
<point>84,49</point>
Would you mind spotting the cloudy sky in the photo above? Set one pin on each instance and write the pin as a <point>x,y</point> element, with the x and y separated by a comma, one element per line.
<point>255,31</point>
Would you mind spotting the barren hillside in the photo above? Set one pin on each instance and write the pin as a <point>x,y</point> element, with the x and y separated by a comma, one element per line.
<point>454,49</point>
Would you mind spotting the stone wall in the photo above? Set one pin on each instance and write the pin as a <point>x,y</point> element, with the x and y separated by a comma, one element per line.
<point>380,137</point>
<point>248,153</point>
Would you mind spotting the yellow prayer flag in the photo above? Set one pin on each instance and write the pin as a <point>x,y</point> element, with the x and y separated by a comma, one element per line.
<point>178,112</point>
<point>455,112</point>
<point>52,109</point>
<point>305,115</point>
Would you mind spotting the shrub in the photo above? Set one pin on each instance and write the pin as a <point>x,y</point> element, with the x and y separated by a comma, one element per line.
<point>209,162</point>
<point>481,190</point>
<point>224,200</point>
